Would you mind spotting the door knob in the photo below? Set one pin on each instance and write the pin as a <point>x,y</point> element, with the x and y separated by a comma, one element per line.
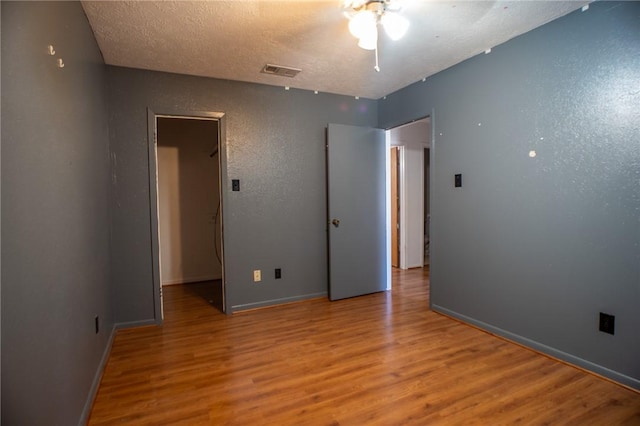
<point>336,222</point>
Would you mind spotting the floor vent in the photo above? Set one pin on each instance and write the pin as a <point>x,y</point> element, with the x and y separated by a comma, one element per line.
<point>280,70</point>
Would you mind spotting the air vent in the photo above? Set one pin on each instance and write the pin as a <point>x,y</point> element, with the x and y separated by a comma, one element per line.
<point>280,70</point>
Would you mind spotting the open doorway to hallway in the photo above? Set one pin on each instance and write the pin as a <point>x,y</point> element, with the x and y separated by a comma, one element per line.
<point>411,143</point>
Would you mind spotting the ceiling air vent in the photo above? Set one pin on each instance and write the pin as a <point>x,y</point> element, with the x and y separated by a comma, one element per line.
<point>280,70</point>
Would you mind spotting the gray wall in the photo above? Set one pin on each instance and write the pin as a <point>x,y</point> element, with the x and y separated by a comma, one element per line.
<point>530,248</point>
<point>275,146</point>
<point>55,241</point>
<point>535,248</point>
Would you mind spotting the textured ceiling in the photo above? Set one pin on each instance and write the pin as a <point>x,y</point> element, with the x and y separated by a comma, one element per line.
<point>235,39</point>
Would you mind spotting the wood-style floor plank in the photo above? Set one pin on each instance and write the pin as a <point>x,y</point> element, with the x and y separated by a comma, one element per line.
<point>380,359</point>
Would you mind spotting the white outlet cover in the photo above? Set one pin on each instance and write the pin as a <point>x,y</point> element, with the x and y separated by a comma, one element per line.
<point>257,276</point>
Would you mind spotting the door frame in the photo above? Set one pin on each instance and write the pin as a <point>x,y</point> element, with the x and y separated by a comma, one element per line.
<point>426,172</point>
<point>152,148</point>
<point>398,195</point>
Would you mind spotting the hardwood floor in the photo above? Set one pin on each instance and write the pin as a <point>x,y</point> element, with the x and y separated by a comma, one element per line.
<point>380,359</point>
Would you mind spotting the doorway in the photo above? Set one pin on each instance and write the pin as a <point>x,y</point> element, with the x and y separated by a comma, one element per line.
<point>411,140</point>
<point>186,173</point>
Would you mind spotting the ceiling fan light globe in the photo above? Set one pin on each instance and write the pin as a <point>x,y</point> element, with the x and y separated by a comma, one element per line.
<point>394,25</point>
<point>369,41</point>
<point>362,23</point>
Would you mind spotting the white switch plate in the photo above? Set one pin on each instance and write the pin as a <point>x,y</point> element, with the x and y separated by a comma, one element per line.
<point>257,276</point>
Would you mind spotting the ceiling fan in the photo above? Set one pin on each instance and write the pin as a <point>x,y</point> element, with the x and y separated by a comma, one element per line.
<point>365,16</point>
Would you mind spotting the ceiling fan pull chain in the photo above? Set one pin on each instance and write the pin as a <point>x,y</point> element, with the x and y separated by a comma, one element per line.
<point>377,67</point>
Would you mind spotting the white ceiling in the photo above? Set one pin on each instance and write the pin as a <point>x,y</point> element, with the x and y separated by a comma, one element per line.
<point>235,39</point>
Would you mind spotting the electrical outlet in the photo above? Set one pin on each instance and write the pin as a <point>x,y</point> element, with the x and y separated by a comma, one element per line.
<point>278,273</point>
<point>257,276</point>
<point>607,323</point>
<point>97,322</point>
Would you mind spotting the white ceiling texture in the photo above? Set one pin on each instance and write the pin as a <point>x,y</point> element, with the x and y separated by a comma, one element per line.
<point>234,39</point>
